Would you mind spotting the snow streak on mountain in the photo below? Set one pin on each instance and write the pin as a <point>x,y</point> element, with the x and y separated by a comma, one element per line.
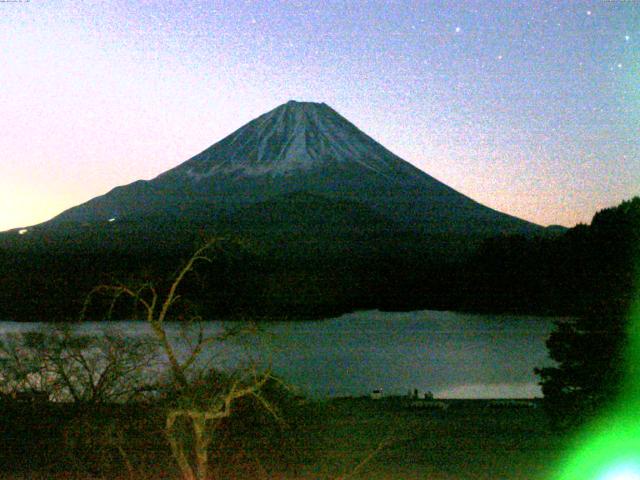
<point>294,138</point>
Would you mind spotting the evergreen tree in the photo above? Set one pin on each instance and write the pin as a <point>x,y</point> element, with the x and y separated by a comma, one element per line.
<point>590,349</point>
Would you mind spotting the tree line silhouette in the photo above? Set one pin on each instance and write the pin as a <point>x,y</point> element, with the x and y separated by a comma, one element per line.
<point>590,349</point>
<point>574,272</point>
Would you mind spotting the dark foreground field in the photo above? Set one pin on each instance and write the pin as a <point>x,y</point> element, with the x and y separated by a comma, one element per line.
<point>338,439</point>
<point>470,440</point>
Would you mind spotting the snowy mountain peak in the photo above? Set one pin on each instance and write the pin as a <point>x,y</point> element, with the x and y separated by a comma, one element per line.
<point>294,137</point>
<point>299,104</point>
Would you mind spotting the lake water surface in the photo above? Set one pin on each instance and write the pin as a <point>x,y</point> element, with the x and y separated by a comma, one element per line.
<point>453,355</point>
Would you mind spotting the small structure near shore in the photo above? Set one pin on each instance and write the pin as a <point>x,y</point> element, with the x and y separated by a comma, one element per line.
<point>376,394</point>
<point>429,404</point>
<point>511,403</point>
<point>427,401</point>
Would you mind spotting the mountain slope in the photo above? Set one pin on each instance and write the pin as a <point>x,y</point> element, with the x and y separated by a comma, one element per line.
<point>298,147</point>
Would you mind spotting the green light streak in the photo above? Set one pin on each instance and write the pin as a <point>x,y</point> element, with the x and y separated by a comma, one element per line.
<point>609,448</point>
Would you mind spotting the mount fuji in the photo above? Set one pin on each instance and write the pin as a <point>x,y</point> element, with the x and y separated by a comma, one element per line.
<point>321,220</point>
<point>299,152</point>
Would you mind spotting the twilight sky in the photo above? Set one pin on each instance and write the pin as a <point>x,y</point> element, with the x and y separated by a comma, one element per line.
<point>532,108</point>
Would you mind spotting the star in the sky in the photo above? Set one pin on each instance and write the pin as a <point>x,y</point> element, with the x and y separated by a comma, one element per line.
<point>627,38</point>
<point>458,29</point>
<point>588,12</point>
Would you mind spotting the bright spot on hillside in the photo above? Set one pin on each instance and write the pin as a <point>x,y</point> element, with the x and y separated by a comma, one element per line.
<point>113,219</point>
<point>622,472</point>
<point>22,231</point>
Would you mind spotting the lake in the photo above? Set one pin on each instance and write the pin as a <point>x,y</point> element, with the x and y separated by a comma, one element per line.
<point>453,355</point>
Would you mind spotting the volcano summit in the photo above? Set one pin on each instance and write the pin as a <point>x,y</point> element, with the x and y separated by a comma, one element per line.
<point>299,148</point>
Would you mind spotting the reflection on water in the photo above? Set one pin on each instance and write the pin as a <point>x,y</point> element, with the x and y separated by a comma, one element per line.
<point>454,355</point>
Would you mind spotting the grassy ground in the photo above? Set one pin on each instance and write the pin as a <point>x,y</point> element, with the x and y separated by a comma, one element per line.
<point>344,438</point>
<point>470,440</point>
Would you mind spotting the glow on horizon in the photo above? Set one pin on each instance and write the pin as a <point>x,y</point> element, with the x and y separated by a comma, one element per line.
<point>524,110</point>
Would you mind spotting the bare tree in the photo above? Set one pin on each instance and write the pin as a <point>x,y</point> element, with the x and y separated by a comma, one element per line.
<point>201,397</point>
<point>66,366</point>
